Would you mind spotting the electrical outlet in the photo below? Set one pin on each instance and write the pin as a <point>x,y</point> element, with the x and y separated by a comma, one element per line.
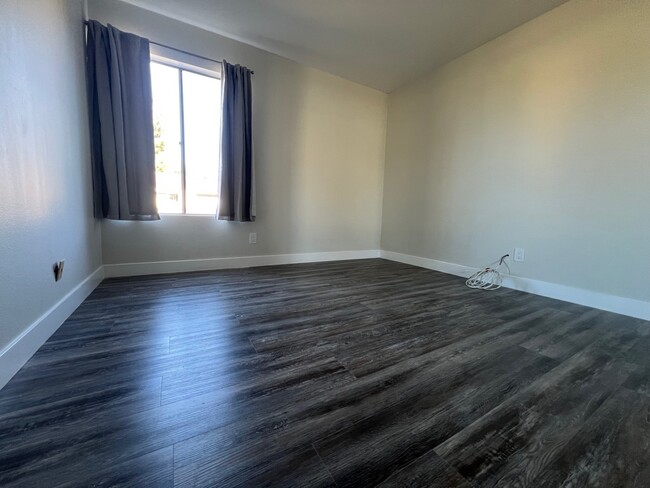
<point>520,254</point>
<point>58,270</point>
<point>252,238</point>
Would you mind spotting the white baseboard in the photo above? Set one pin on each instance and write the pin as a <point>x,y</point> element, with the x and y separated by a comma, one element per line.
<point>183,266</point>
<point>594,299</point>
<point>23,347</point>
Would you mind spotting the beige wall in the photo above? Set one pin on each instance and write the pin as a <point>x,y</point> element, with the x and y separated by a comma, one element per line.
<point>45,185</point>
<point>319,144</point>
<point>539,139</point>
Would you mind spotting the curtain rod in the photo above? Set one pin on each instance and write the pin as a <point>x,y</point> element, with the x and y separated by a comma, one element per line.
<point>179,50</point>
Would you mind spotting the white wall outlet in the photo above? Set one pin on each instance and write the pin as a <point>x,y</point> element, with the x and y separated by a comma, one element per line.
<point>520,254</point>
<point>252,238</point>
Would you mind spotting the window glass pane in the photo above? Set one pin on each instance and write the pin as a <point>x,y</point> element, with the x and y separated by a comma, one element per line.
<point>202,111</point>
<point>167,137</point>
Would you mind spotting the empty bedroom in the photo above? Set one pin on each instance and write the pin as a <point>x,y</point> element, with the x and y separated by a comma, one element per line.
<point>324,243</point>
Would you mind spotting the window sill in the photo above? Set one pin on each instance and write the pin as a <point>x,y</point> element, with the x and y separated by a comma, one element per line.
<point>211,216</point>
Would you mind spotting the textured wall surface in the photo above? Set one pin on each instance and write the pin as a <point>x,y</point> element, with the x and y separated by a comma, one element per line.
<point>45,189</point>
<point>539,139</point>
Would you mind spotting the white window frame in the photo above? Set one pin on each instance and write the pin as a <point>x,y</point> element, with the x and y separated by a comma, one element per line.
<point>202,67</point>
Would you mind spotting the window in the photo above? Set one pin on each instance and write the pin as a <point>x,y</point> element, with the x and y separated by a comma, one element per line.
<point>187,126</point>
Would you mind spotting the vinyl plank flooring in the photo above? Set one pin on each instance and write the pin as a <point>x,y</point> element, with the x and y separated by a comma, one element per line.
<point>516,440</point>
<point>324,414</point>
<point>297,467</point>
<point>154,469</point>
<point>44,418</point>
<point>612,448</point>
<point>240,382</point>
<point>105,439</point>
<point>426,471</point>
<point>353,373</point>
<point>447,401</point>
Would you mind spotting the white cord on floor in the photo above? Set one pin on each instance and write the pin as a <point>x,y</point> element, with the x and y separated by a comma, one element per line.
<point>490,277</point>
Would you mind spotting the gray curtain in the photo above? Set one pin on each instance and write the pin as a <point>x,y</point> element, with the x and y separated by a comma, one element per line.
<point>237,201</point>
<point>121,125</point>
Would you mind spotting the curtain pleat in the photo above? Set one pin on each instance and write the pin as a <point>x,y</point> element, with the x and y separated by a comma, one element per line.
<point>237,189</point>
<point>121,124</point>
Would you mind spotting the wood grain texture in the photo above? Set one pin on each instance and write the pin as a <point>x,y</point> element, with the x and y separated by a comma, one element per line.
<point>355,373</point>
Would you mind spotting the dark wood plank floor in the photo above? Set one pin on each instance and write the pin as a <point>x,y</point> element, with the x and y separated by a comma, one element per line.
<point>358,373</point>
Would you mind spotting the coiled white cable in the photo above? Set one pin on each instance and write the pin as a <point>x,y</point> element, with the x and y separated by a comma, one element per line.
<point>489,278</point>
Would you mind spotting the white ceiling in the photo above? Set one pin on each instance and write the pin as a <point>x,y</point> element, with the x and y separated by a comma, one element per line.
<point>379,43</point>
